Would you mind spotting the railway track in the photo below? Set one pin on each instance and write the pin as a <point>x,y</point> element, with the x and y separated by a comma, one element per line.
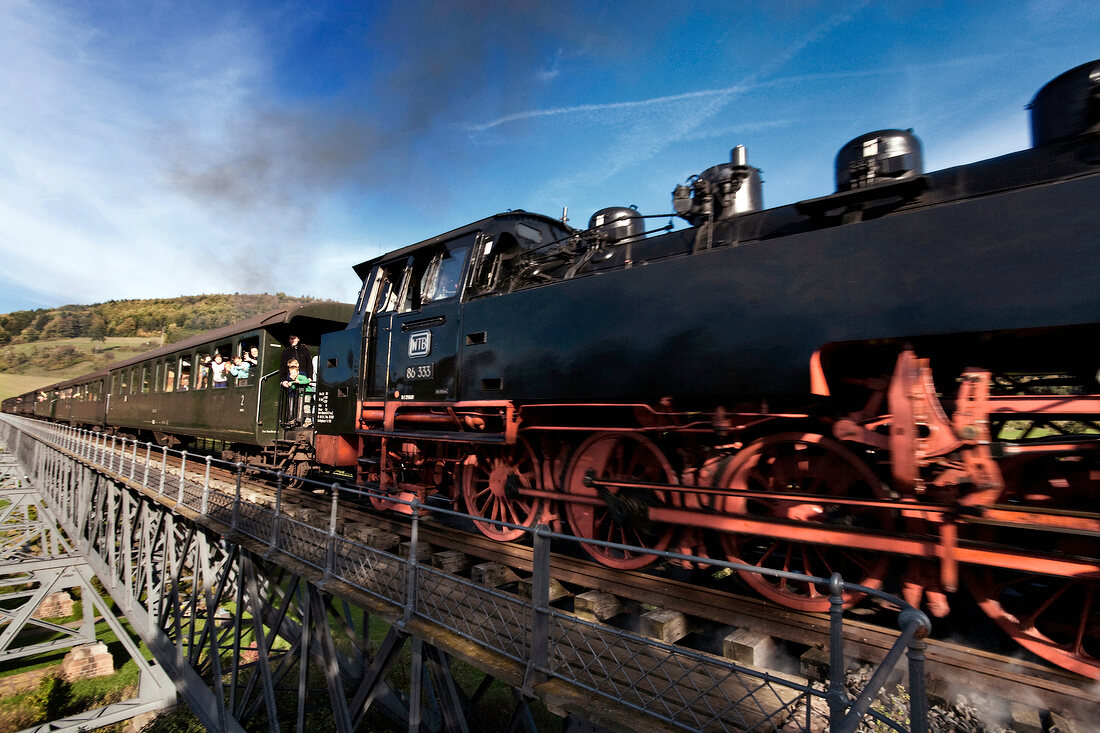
<point>952,666</point>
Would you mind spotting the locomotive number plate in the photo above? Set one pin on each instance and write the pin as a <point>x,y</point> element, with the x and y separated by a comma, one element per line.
<point>420,371</point>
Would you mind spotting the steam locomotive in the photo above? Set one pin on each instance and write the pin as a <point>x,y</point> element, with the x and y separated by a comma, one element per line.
<point>896,380</point>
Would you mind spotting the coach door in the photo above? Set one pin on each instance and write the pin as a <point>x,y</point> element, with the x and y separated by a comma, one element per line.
<point>416,327</point>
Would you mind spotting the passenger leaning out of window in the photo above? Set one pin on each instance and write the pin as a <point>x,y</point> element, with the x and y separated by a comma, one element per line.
<point>218,371</point>
<point>240,368</point>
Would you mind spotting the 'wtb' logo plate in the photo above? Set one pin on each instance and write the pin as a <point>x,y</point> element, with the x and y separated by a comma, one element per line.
<point>420,343</point>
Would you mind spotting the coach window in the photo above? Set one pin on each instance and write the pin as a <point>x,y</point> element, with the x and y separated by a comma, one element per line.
<point>123,381</point>
<point>244,350</point>
<point>226,351</point>
<point>155,371</point>
<point>185,374</point>
<point>169,375</point>
<point>202,369</point>
<point>145,369</point>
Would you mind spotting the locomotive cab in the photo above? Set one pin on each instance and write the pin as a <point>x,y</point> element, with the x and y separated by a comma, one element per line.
<point>415,322</point>
<point>409,315</point>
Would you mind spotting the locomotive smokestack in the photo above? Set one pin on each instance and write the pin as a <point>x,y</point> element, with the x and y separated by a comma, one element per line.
<point>739,156</point>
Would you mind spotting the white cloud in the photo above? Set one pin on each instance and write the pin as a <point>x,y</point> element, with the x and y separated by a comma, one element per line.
<point>87,209</point>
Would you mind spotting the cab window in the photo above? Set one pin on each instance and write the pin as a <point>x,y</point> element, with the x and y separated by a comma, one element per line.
<point>389,287</point>
<point>442,276</point>
<point>434,276</point>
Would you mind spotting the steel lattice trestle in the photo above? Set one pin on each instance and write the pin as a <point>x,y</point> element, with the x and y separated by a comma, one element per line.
<point>37,560</point>
<point>262,619</point>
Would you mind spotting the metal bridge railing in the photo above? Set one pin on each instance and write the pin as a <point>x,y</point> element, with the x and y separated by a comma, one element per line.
<point>683,687</point>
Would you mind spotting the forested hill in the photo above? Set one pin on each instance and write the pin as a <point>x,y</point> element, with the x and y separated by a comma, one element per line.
<point>178,318</point>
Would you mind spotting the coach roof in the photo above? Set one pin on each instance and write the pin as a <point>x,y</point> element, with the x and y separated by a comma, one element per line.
<point>303,318</point>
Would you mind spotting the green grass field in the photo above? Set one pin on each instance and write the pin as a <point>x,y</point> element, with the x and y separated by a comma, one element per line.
<point>16,384</point>
<point>27,377</point>
<point>116,345</point>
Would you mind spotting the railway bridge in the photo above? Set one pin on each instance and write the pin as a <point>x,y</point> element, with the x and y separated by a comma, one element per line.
<point>260,619</point>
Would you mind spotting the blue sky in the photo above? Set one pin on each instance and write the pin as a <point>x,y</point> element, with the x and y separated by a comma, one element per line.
<point>155,149</point>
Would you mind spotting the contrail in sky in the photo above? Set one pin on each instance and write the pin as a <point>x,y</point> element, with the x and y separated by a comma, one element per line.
<point>555,111</point>
<point>747,85</point>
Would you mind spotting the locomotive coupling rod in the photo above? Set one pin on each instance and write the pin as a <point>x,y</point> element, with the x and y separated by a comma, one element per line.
<point>593,482</point>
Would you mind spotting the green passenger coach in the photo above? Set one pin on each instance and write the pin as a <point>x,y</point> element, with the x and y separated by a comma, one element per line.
<point>170,392</point>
